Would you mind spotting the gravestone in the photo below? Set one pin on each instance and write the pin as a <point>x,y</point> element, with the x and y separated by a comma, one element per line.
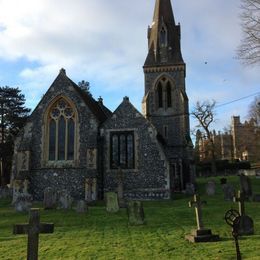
<point>135,212</point>
<point>19,187</point>
<point>23,202</point>
<point>211,188</point>
<point>256,198</point>
<point>246,186</point>
<point>246,225</point>
<point>64,200</point>
<point>33,229</point>
<point>50,199</point>
<point>111,202</point>
<point>190,189</point>
<point>81,206</point>
<point>229,191</point>
<point>90,189</point>
<point>200,234</point>
<point>120,188</point>
<point>223,181</point>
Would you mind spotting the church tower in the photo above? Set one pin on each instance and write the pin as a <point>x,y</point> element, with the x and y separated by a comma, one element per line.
<point>165,101</point>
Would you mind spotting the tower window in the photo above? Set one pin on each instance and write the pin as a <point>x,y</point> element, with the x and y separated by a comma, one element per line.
<point>163,37</point>
<point>122,150</point>
<point>61,125</point>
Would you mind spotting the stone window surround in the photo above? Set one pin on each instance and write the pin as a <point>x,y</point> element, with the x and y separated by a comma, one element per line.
<point>46,163</point>
<point>136,149</point>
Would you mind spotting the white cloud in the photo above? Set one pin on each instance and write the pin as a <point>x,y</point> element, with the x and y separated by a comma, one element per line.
<point>105,42</point>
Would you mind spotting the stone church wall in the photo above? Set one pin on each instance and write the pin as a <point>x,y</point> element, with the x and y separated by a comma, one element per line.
<point>150,178</point>
<point>61,174</point>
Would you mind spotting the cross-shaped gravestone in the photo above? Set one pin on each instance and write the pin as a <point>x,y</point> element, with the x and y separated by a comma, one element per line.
<point>33,229</point>
<point>240,198</point>
<point>197,203</point>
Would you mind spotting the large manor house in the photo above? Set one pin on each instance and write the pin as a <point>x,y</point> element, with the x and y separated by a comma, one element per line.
<point>72,140</point>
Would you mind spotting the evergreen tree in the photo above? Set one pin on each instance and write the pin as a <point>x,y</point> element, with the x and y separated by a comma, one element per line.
<point>13,115</point>
<point>85,86</point>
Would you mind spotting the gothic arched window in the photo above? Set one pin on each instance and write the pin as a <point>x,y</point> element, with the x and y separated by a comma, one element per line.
<point>164,93</point>
<point>61,130</point>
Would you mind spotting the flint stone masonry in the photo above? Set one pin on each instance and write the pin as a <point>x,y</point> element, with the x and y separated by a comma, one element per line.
<point>150,172</point>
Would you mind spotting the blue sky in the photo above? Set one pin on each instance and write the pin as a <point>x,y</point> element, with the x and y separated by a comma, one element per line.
<point>104,42</point>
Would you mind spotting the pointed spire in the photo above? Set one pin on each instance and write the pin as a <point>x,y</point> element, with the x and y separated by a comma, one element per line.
<point>163,37</point>
<point>163,10</point>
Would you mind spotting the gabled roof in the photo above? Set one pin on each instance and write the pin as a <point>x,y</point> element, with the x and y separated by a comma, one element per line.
<point>99,110</point>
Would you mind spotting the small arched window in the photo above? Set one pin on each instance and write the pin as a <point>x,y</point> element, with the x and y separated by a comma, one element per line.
<point>163,37</point>
<point>61,130</point>
<point>164,98</point>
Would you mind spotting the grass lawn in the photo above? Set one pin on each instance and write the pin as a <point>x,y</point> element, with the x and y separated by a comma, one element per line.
<point>99,235</point>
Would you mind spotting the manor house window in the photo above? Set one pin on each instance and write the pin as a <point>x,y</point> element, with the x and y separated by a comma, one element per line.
<point>61,131</point>
<point>122,150</point>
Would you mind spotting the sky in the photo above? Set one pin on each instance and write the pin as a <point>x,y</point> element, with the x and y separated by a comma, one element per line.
<point>105,43</point>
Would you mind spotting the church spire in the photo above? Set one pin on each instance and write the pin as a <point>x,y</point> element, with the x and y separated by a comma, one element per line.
<point>163,37</point>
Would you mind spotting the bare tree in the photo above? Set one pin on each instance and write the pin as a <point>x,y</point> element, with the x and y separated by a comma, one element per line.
<point>254,110</point>
<point>249,49</point>
<point>204,112</point>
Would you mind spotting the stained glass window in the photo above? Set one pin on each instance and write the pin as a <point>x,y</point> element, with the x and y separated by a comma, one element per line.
<point>169,94</point>
<point>122,150</point>
<point>61,131</point>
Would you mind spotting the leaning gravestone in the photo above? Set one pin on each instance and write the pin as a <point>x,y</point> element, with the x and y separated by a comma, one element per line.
<point>23,203</point>
<point>65,200</point>
<point>111,202</point>
<point>211,188</point>
<point>33,229</point>
<point>50,199</point>
<point>135,212</point>
<point>81,206</point>
<point>229,191</point>
<point>246,186</point>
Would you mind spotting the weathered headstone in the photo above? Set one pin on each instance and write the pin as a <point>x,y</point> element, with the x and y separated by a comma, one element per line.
<point>81,206</point>
<point>223,181</point>
<point>33,229</point>
<point>211,188</point>
<point>120,188</point>
<point>200,234</point>
<point>256,198</point>
<point>111,202</point>
<point>246,186</point>
<point>229,191</point>
<point>64,200</point>
<point>90,189</point>
<point>246,225</point>
<point>190,189</point>
<point>19,187</point>
<point>23,203</point>
<point>135,212</point>
<point>50,198</point>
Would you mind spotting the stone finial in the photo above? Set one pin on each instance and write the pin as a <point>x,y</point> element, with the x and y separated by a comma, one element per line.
<point>126,99</point>
<point>100,100</point>
<point>63,71</point>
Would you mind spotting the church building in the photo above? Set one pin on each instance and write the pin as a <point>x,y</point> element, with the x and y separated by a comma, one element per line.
<point>72,141</point>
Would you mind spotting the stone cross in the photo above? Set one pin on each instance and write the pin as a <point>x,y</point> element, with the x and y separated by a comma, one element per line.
<point>197,203</point>
<point>33,229</point>
<point>240,198</point>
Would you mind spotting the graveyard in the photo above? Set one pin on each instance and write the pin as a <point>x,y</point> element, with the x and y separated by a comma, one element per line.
<point>98,234</point>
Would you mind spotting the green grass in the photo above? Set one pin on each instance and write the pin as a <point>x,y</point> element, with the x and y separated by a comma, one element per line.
<point>100,235</point>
